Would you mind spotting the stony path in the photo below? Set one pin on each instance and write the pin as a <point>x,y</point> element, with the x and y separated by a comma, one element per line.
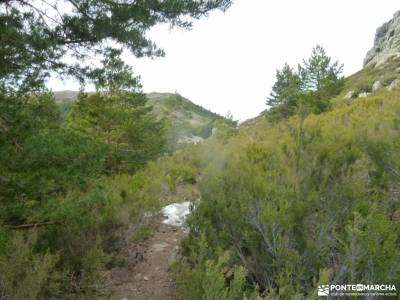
<point>146,276</point>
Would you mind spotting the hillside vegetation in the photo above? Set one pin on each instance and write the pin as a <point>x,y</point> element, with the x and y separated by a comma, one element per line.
<point>287,206</point>
<point>306,194</point>
<point>281,205</point>
<point>185,122</point>
<point>77,182</point>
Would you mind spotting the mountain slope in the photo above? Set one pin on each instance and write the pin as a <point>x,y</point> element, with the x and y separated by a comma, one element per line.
<point>186,122</point>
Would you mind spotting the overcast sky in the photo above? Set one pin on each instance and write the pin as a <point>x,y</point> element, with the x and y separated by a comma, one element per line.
<point>227,62</point>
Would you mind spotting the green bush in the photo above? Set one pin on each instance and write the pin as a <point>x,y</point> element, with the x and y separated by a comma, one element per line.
<point>25,273</point>
<point>210,279</point>
<point>52,176</point>
<point>303,202</point>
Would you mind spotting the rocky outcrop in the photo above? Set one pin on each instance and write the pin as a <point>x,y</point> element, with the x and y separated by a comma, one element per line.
<point>376,86</point>
<point>393,85</point>
<point>350,95</point>
<point>190,140</point>
<point>386,44</point>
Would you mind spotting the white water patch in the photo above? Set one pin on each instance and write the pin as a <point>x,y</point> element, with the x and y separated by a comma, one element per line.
<point>176,213</point>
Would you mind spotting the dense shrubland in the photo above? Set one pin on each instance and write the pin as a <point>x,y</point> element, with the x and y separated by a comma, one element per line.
<point>72,185</point>
<point>71,178</point>
<point>305,199</point>
<point>297,203</point>
<point>307,196</point>
<point>64,208</point>
<point>69,190</point>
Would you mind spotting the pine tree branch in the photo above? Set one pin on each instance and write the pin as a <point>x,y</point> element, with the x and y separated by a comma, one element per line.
<point>29,226</point>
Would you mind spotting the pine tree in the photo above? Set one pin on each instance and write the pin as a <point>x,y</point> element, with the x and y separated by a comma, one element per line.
<point>309,88</point>
<point>321,79</point>
<point>285,92</point>
<point>118,115</point>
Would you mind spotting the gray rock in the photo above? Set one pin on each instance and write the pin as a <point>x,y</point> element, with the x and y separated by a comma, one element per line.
<point>363,95</point>
<point>386,43</point>
<point>349,95</point>
<point>376,86</point>
<point>146,278</point>
<point>394,84</point>
<point>190,140</point>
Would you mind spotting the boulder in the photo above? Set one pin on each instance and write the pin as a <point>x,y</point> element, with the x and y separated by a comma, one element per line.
<point>376,86</point>
<point>190,140</point>
<point>394,84</point>
<point>350,95</point>
<point>363,95</point>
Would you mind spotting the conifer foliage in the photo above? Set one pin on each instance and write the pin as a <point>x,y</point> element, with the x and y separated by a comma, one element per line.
<point>117,115</point>
<point>36,36</point>
<point>316,80</point>
<point>67,187</point>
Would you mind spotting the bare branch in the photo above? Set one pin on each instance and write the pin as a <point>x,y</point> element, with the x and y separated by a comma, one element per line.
<point>29,226</point>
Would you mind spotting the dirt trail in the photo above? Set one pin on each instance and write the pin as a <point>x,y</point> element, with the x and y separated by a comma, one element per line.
<point>146,274</point>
